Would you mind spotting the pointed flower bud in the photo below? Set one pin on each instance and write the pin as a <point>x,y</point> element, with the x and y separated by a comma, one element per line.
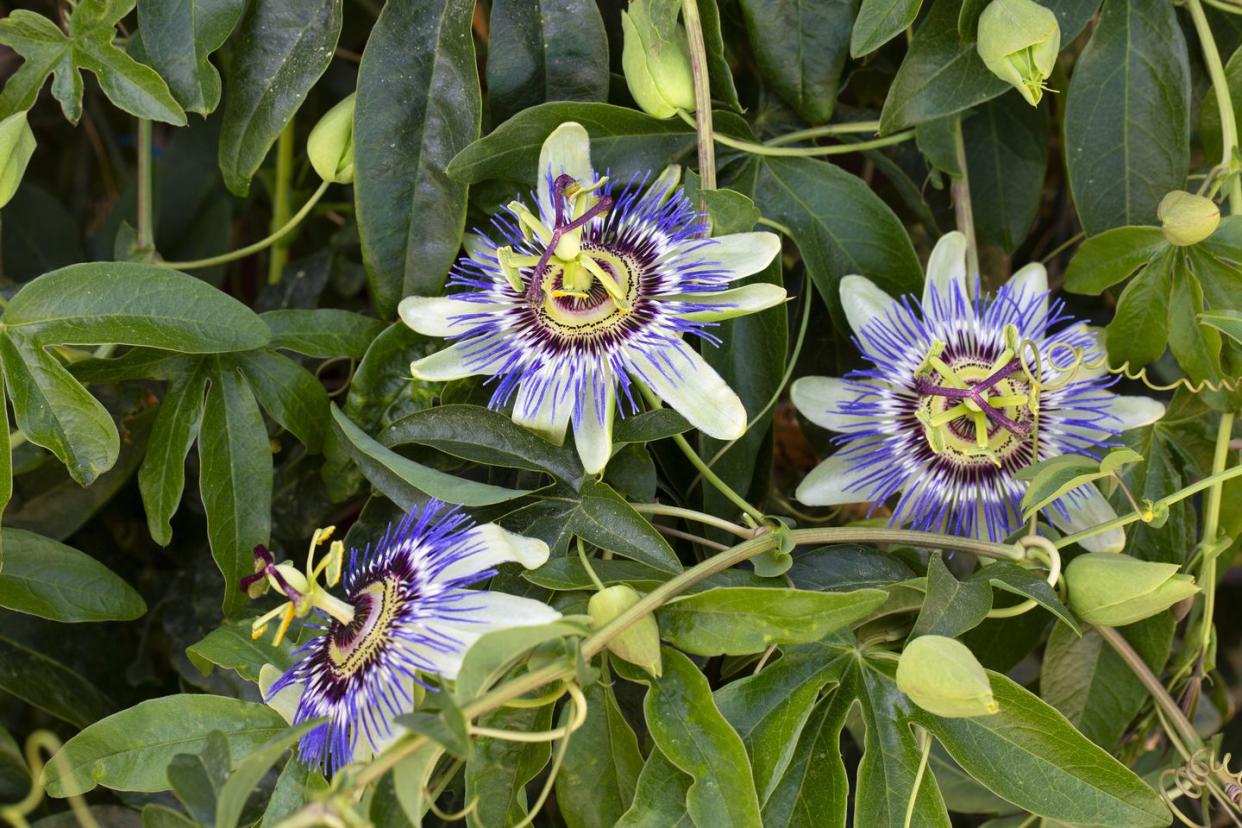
<point>1186,218</point>
<point>330,146</point>
<point>656,60</point>
<point>942,676</point>
<point>640,644</point>
<point>1018,42</point>
<point>1115,590</point>
<point>17,144</point>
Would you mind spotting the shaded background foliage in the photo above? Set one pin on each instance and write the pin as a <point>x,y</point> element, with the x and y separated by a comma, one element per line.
<point>208,425</point>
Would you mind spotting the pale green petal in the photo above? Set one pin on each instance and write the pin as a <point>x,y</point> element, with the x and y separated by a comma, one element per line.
<point>440,315</point>
<point>730,303</point>
<point>450,364</point>
<point>862,301</point>
<point>492,611</point>
<point>826,484</point>
<point>496,545</point>
<point>737,254</point>
<point>548,415</point>
<point>1087,510</point>
<point>820,398</point>
<point>286,701</point>
<point>1135,412</point>
<point>946,266</point>
<point>685,381</point>
<point>592,435</point>
<point>566,151</point>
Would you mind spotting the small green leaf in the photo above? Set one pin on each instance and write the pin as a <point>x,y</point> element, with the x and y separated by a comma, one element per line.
<point>951,607</point>
<point>879,21</point>
<point>323,332</point>
<point>128,751</point>
<point>1006,143</point>
<point>288,393</point>
<point>814,789</point>
<point>659,796</point>
<point>1111,257</point>
<point>1028,584</point>
<point>161,478</point>
<point>252,769</point>
<point>1228,322</point>
<point>604,519</point>
<point>1050,479</point>
<point>410,778</point>
<point>1140,326</point>
<point>232,647</point>
<point>500,770</point>
<point>649,426</point>
<point>48,579</point>
<point>601,767</point>
<point>741,620</point>
<point>494,652</point>
<point>178,38</point>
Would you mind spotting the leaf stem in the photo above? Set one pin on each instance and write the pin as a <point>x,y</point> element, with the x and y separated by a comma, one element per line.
<point>847,128</point>
<point>1220,85</point>
<point>590,570</point>
<point>702,94</point>
<point>715,479</point>
<point>924,752</point>
<point>698,517</point>
<point>146,190</point>
<point>1211,526</point>
<point>262,244</point>
<point>279,256</point>
<point>804,152</point>
<point>960,188</point>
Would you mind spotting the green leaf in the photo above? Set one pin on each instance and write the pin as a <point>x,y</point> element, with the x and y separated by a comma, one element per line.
<point>1228,322</point>
<point>1050,479</point>
<point>844,567</point>
<point>1108,258</point>
<point>801,47</point>
<point>839,224</point>
<point>1090,685</point>
<point>600,772</point>
<point>161,479</point>
<point>741,620</point>
<point>161,816</point>
<point>493,653</point>
<point>541,51</point>
<point>128,751</point>
<point>45,49</point>
<point>814,789</point>
<point>624,141</point>
<point>295,786</point>
<point>660,796</point>
<point>1032,756</point>
<point>483,436</point>
<point>1209,110</point>
<point>951,607</point>
<point>281,49</point>
<point>48,579</point>
<point>648,427</point>
<point>447,728</point>
<point>1195,347</point>
<point>53,410</point>
<point>1127,115</point>
<point>409,778</point>
<point>501,769</point>
<point>323,332</point>
<point>382,389</point>
<point>235,479</point>
<point>566,574</point>
<point>418,89</point>
<point>289,393</point>
<point>690,730</point>
<point>405,482</point>
<point>126,303</point>
<point>232,647</point>
<point>941,75</point>
<point>1028,584</point>
<point>1140,326</point>
<point>49,685</point>
<point>879,21</point>
<point>196,779</point>
<point>177,38</point>
<point>252,769</point>
<point>1006,158</point>
<point>604,519</point>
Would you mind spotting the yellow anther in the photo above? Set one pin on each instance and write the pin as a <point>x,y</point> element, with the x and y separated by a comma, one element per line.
<point>949,415</point>
<point>981,428</point>
<point>509,264</point>
<point>257,632</point>
<point>937,348</point>
<point>529,223</point>
<point>575,294</point>
<point>336,559</point>
<point>950,376</point>
<point>1001,401</point>
<point>1002,360</point>
<point>284,625</point>
<point>973,406</point>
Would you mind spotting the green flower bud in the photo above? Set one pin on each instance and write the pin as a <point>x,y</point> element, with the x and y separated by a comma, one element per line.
<point>640,643</point>
<point>1186,218</point>
<point>656,60</point>
<point>1018,42</point>
<point>1115,590</point>
<point>17,144</point>
<point>942,676</point>
<point>330,146</point>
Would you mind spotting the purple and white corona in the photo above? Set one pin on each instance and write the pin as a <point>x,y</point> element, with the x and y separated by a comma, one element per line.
<point>408,615</point>
<point>944,415</point>
<point>591,293</point>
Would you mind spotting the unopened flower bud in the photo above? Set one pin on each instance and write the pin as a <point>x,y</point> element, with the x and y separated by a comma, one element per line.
<point>17,144</point>
<point>640,643</point>
<point>1186,218</point>
<point>1115,590</point>
<point>330,146</point>
<point>942,676</point>
<point>1018,42</point>
<point>656,63</point>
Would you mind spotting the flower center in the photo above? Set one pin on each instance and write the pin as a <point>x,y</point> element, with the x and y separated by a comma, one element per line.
<point>576,304</point>
<point>350,647</point>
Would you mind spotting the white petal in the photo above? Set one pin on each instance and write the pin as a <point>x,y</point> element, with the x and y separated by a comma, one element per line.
<point>286,701</point>
<point>1029,282</point>
<point>684,380</point>
<point>440,315</point>
<point>496,545</point>
<point>827,482</point>
<point>1088,509</point>
<point>593,435</point>
<point>545,406</point>
<point>730,303</point>
<point>1134,412</point>
<point>738,254</point>
<point>491,611</point>
<point>820,399</point>
<point>862,301</point>
<point>946,267</point>
<point>457,362</point>
<point>567,150</point>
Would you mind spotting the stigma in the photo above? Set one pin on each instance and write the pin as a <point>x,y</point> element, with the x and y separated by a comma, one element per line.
<point>301,589</point>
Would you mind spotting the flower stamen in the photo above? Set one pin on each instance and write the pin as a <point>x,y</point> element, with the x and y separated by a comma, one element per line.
<point>303,591</point>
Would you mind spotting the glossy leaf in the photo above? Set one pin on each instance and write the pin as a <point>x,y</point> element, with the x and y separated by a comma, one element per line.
<point>251,770</point>
<point>501,769</point>
<point>1110,257</point>
<point>951,607</point>
<point>418,90</point>
<point>660,797</point>
<point>49,685</point>
<point>813,791</point>
<point>178,37</point>
<point>489,657</point>
<point>604,519</point>
<point>289,393</point>
<point>161,478</point>
<point>879,21</point>
<point>600,773</point>
<point>322,332</point>
<point>48,579</point>
<point>1006,143</point>
<point>1140,326</point>
<point>233,647</point>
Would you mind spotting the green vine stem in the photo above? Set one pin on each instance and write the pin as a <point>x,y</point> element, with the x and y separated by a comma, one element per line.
<point>698,517</point>
<point>847,128</point>
<point>1211,526</point>
<point>262,244</point>
<point>702,95</point>
<point>280,203</point>
<point>772,149</point>
<point>146,190</point>
<point>960,188</point>
<point>715,479</point>
<point>1220,85</point>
